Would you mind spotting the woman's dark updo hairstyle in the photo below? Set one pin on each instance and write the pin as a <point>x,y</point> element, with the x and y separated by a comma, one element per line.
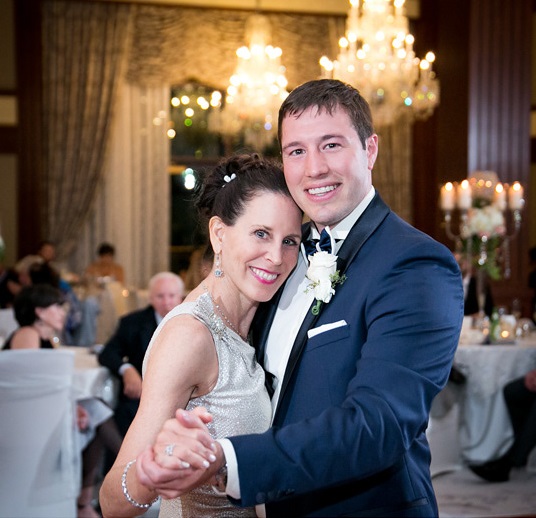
<point>32,297</point>
<point>227,199</point>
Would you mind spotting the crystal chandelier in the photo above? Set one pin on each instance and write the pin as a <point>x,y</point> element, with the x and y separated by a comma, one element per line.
<point>376,56</point>
<point>256,89</point>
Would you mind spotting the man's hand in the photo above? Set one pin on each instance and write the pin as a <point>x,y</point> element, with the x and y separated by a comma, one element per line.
<point>132,383</point>
<point>183,457</point>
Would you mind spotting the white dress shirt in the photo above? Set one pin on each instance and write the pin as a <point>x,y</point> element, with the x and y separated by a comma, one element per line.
<point>291,310</point>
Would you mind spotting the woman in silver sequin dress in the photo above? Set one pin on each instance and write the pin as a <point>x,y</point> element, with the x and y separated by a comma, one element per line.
<point>199,355</point>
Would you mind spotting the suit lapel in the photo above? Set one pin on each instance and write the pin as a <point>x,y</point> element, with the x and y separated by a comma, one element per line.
<point>369,221</point>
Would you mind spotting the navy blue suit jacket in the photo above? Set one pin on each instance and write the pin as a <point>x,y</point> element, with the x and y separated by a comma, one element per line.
<point>128,344</point>
<point>348,437</point>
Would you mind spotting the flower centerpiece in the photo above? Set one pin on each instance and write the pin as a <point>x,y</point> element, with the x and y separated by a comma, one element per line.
<point>482,234</point>
<point>486,208</point>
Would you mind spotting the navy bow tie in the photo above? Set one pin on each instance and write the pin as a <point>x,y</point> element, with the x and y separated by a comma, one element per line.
<point>324,243</point>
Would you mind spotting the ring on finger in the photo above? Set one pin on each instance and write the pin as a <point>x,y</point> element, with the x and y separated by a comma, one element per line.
<point>169,449</point>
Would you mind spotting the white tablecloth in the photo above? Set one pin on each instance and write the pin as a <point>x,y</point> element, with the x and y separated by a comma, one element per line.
<point>485,431</point>
<point>92,379</point>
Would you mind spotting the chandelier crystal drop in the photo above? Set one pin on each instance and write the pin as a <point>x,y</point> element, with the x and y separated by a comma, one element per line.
<point>256,89</point>
<point>376,56</point>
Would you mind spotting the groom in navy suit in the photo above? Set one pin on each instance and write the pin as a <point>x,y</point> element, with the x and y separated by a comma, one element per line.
<point>352,382</point>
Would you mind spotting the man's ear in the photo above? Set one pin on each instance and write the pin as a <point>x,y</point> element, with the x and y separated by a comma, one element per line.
<point>372,150</point>
<point>216,229</point>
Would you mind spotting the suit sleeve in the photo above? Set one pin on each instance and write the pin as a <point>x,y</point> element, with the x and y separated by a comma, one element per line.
<point>404,312</point>
<point>113,354</point>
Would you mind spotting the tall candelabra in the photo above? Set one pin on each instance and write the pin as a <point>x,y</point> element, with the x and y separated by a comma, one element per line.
<point>489,217</point>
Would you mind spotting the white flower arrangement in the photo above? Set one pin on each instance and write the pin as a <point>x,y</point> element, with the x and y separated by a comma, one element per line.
<point>484,221</point>
<point>483,232</point>
<point>324,276</point>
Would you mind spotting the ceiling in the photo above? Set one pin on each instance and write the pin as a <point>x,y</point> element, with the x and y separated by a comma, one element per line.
<point>304,6</point>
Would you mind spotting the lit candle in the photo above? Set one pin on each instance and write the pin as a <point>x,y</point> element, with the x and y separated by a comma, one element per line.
<point>447,196</point>
<point>500,197</point>
<point>465,198</point>
<point>515,197</point>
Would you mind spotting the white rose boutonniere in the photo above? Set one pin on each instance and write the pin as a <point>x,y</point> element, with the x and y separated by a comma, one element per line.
<point>324,276</point>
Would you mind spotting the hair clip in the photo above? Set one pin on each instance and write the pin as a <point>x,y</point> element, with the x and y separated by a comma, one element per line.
<point>229,178</point>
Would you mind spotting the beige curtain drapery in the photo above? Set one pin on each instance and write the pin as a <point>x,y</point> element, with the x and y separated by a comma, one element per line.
<point>132,205</point>
<point>84,50</point>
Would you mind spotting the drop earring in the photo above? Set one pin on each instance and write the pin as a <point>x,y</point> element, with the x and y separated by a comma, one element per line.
<point>218,272</point>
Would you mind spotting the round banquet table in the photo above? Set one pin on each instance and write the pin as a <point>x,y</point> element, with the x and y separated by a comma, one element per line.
<point>92,380</point>
<point>485,431</point>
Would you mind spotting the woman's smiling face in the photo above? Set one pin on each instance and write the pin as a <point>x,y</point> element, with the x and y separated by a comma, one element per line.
<point>260,250</point>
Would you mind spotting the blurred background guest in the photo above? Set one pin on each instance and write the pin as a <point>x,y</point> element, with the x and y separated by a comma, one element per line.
<point>105,267</point>
<point>40,313</point>
<point>123,354</point>
<point>47,251</point>
<point>520,397</point>
<point>44,273</point>
<point>21,277</point>
<point>9,283</point>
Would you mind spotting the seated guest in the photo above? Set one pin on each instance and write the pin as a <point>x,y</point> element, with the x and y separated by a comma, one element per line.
<point>40,313</point>
<point>123,354</point>
<point>44,273</point>
<point>9,282</point>
<point>21,276</point>
<point>520,397</point>
<point>105,266</point>
<point>47,251</point>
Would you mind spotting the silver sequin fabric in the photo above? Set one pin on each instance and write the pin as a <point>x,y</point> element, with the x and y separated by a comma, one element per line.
<point>238,403</point>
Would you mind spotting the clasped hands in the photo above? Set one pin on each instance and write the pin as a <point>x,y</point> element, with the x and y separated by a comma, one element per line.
<point>183,457</point>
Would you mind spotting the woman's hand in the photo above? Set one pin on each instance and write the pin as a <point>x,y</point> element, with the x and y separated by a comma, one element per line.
<point>182,457</point>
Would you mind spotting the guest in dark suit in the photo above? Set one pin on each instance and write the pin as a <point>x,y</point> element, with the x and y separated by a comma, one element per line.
<point>123,354</point>
<point>520,397</point>
<point>353,372</point>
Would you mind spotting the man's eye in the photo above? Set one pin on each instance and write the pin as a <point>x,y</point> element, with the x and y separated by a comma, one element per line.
<point>296,152</point>
<point>260,233</point>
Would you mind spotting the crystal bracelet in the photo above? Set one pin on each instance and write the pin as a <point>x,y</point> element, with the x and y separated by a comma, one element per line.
<point>127,494</point>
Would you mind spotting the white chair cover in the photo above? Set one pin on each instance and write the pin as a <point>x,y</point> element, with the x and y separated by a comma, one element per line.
<point>8,324</point>
<point>39,453</point>
<point>442,432</point>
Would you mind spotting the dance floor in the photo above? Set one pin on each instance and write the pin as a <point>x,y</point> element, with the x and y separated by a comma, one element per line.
<point>461,494</point>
